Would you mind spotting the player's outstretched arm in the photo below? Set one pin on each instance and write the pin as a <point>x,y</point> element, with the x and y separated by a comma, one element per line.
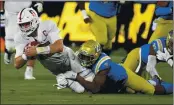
<point>57,46</point>
<point>19,62</point>
<point>93,86</point>
<point>151,63</point>
<point>20,57</point>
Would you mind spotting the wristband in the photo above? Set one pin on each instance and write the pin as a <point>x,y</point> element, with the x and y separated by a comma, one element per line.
<point>43,50</point>
<point>24,57</point>
<point>84,14</point>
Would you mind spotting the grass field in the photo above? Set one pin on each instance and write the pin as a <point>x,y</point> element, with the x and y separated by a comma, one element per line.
<point>16,90</point>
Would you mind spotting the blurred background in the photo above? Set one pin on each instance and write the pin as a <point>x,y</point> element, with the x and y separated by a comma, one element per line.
<point>133,27</point>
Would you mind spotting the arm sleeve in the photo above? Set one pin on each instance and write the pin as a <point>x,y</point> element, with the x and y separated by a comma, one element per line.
<point>54,33</point>
<point>19,49</point>
<point>157,45</point>
<point>103,64</point>
<point>160,11</point>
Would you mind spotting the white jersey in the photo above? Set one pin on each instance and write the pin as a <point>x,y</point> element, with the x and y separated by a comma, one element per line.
<point>14,7</point>
<point>47,34</point>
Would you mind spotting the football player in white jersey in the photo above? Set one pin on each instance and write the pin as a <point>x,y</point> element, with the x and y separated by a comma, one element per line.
<point>50,51</point>
<point>12,8</point>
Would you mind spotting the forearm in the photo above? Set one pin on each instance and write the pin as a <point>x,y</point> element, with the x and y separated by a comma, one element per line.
<point>51,49</point>
<point>56,49</point>
<point>19,62</point>
<point>151,64</point>
<point>91,86</point>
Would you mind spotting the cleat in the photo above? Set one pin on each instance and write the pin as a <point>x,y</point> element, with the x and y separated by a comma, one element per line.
<point>7,58</point>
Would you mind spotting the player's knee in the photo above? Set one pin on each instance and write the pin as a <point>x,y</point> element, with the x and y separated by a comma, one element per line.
<point>17,66</point>
<point>149,90</point>
<point>102,41</point>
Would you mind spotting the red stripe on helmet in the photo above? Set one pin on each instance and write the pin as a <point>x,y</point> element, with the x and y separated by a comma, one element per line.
<point>20,16</point>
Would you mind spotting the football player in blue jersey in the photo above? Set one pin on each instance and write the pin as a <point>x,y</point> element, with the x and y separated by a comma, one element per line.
<point>164,22</point>
<point>103,21</point>
<point>160,50</point>
<point>110,76</point>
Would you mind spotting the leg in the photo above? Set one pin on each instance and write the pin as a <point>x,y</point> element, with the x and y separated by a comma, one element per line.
<point>29,70</point>
<point>11,28</point>
<point>161,30</point>
<point>74,61</point>
<point>111,28</point>
<point>9,50</point>
<point>138,84</point>
<point>98,27</point>
<point>132,60</point>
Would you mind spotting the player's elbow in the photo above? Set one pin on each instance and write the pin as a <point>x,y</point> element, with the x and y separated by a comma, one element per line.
<point>17,66</point>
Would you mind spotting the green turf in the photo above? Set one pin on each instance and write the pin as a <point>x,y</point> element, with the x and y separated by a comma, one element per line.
<point>16,90</point>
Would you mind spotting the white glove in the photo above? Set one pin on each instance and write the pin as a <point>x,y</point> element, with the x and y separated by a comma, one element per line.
<point>150,67</point>
<point>70,75</point>
<point>163,56</point>
<point>61,81</point>
<point>39,7</point>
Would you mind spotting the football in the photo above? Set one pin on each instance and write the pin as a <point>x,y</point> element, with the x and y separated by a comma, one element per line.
<point>33,43</point>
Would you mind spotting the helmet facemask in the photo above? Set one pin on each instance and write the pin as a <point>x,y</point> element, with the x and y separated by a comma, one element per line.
<point>28,27</point>
<point>169,42</point>
<point>89,53</point>
<point>86,60</point>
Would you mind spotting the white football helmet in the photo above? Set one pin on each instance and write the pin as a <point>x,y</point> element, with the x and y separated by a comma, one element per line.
<point>28,21</point>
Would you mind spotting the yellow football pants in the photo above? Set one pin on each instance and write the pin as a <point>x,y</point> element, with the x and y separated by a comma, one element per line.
<point>162,29</point>
<point>104,29</point>
<point>132,59</point>
<point>138,83</point>
<point>132,62</point>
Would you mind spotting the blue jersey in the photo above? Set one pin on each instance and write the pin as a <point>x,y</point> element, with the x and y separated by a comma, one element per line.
<point>116,72</point>
<point>104,8</point>
<point>158,44</point>
<point>165,12</point>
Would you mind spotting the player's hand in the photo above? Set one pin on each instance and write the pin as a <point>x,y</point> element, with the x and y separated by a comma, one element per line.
<point>39,7</point>
<point>164,56</point>
<point>31,51</point>
<point>160,55</point>
<point>70,75</point>
<point>88,20</point>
